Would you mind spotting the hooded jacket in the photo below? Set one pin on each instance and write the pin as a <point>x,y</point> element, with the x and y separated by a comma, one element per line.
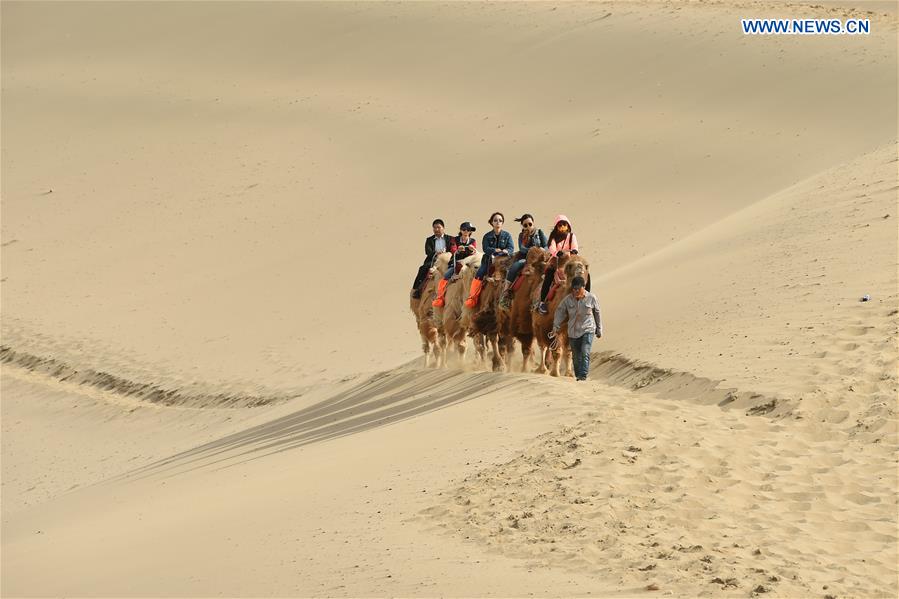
<point>569,243</point>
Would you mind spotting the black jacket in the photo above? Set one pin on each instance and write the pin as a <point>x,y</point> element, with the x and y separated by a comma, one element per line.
<point>430,247</point>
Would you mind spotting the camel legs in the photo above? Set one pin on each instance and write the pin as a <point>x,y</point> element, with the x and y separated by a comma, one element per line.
<point>425,349</point>
<point>455,349</point>
<point>566,360</point>
<point>442,349</point>
<point>427,345</point>
<point>497,359</point>
<point>555,356</point>
<point>480,347</point>
<point>527,346</point>
<point>542,358</point>
<point>431,344</point>
<point>460,345</point>
<point>506,346</point>
<point>452,352</point>
<point>548,360</point>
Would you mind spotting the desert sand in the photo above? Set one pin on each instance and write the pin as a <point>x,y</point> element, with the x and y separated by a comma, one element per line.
<point>211,382</point>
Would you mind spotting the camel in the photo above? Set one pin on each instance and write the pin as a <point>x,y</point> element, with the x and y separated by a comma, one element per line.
<point>555,351</point>
<point>466,320</point>
<point>484,318</point>
<point>432,341</point>
<point>521,324</point>
<point>454,317</point>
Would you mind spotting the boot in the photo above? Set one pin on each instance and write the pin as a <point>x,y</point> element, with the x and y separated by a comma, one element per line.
<point>505,296</point>
<point>474,294</point>
<point>441,294</point>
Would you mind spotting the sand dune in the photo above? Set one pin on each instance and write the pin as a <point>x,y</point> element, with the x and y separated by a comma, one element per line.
<point>784,316</point>
<point>212,212</point>
<point>695,501</point>
<point>206,189</point>
<point>336,521</point>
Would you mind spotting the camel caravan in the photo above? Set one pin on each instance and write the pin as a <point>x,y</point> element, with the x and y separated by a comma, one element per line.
<point>498,295</point>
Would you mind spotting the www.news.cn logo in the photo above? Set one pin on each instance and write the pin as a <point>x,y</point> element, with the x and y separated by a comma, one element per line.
<point>806,26</point>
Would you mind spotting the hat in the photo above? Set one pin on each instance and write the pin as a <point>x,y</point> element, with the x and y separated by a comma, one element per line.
<point>467,226</point>
<point>577,282</point>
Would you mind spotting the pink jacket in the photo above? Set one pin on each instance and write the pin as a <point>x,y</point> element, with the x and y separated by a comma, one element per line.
<point>567,244</point>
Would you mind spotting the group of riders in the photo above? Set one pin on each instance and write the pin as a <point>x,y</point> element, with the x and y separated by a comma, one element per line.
<point>580,308</point>
<point>495,243</point>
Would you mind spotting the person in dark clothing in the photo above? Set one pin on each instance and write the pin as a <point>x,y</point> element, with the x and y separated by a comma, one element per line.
<point>435,245</point>
<point>529,237</point>
<point>496,243</point>
<point>462,246</point>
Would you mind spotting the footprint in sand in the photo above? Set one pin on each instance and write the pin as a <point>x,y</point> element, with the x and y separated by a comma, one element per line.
<point>833,415</point>
<point>858,331</point>
<point>862,499</point>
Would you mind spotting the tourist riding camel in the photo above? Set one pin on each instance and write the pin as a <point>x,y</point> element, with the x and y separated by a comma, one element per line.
<point>496,243</point>
<point>429,326</point>
<point>519,314</point>
<point>462,246</point>
<point>485,316</point>
<point>562,240</point>
<point>529,237</point>
<point>454,317</point>
<point>436,244</point>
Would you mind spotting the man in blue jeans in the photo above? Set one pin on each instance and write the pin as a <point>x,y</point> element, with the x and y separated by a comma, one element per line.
<point>584,321</point>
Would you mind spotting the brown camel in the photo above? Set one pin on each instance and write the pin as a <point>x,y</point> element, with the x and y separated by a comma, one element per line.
<point>466,320</point>
<point>484,318</point>
<point>432,341</point>
<point>554,352</point>
<point>520,320</point>
<point>454,316</point>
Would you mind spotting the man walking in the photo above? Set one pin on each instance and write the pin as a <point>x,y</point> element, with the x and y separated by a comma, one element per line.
<point>584,321</point>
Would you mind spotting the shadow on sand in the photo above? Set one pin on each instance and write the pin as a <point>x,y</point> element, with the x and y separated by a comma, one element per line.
<point>384,399</point>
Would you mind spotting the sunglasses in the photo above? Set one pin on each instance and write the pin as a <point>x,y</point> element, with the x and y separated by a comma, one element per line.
<point>527,225</point>
<point>497,220</point>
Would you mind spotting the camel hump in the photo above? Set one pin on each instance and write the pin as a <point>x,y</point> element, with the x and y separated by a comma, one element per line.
<point>441,262</point>
<point>536,254</point>
<point>474,260</point>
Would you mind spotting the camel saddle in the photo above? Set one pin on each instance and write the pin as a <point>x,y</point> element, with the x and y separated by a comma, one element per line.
<point>558,279</point>
<point>518,281</point>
